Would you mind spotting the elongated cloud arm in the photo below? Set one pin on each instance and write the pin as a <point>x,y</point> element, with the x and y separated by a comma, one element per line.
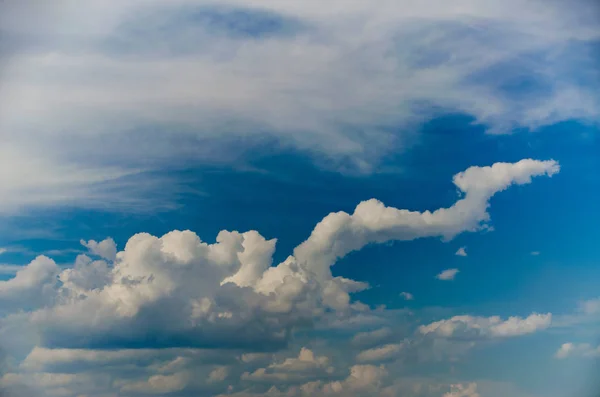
<point>372,222</point>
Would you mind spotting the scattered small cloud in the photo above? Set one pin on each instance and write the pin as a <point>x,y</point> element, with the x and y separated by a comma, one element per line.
<point>407,296</point>
<point>447,275</point>
<point>3,251</point>
<point>535,253</point>
<point>579,350</point>
<point>462,251</point>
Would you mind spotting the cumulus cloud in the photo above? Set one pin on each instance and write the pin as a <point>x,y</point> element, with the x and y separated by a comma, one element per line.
<point>161,299</point>
<point>32,286</point>
<point>471,327</point>
<point>447,275</point>
<point>106,249</point>
<point>462,251</point>
<point>364,380</point>
<point>577,350</point>
<point>82,86</point>
<point>302,368</point>
<point>177,290</point>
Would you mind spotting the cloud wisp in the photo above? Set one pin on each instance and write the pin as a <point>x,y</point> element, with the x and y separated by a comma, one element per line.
<point>147,86</point>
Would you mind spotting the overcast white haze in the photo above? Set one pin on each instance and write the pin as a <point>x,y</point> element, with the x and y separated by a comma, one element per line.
<point>110,110</point>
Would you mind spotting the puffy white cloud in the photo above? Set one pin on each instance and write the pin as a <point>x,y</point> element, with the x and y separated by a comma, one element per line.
<point>578,350</point>
<point>32,286</point>
<point>487,327</point>
<point>462,251</point>
<point>88,78</point>
<point>302,368</point>
<point>448,274</point>
<point>177,290</point>
<point>106,249</point>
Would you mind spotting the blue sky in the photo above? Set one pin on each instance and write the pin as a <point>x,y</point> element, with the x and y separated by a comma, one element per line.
<point>364,198</point>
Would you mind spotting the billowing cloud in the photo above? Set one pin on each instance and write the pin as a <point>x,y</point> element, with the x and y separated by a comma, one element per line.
<point>178,291</point>
<point>462,251</point>
<point>157,306</point>
<point>148,85</point>
<point>487,327</point>
<point>32,285</point>
<point>106,249</point>
<point>302,368</point>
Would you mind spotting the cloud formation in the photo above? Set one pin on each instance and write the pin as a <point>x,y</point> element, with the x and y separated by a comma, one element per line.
<point>204,293</point>
<point>471,327</point>
<point>149,85</point>
<point>162,302</point>
<point>577,350</point>
<point>447,275</point>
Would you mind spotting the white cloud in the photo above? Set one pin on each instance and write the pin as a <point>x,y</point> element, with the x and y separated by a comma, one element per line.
<point>535,253</point>
<point>590,307</point>
<point>460,390</point>
<point>158,384</point>
<point>3,251</point>
<point>43,359</point>
<point>461,251</point>
<point>578,350</point>
<point>218,374</point>
<point>487,327</point>
<point>306,366</point>
<point>407,296</point>
<point>205,293</point>
<point>378,354</point>
<point>364,380</point>
<point>371,337</point>
<point>32,286</point>
<point>81,86</point>
<point>448,274</point>
<point>106,249</point>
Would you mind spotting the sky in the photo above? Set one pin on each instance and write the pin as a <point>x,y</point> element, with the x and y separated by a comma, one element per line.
<point>299,198</point>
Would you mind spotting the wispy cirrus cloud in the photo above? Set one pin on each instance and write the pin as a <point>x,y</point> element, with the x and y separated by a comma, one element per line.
<point>152,85</point>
